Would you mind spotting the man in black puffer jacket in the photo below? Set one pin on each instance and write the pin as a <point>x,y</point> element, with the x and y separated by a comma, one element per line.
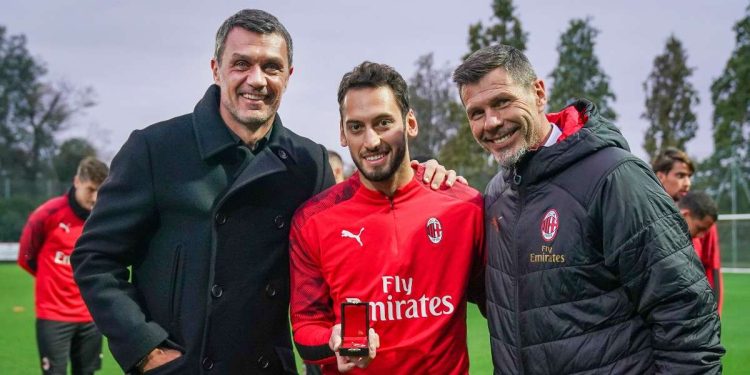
<point>591,269</point>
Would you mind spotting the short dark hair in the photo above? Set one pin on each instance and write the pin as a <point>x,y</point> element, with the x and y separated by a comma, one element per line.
<point>254,20</point>
<point>92,169</point>
<point>699,204</point>
<point>374,75</point>
<point>664,162</point>
<point>483,61</point>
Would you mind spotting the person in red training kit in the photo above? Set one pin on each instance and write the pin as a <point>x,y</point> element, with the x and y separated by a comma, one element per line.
<point>415,255</point>
<point>64,327</point>
<point>674,169</point>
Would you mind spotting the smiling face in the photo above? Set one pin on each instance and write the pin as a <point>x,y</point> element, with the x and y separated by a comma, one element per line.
<point>506,119</point>
<point>253,74</point>
<point>376,131</point>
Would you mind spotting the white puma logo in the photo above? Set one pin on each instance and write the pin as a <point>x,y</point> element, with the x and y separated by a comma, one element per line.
<point>346,234</point>
<point>65,227</point>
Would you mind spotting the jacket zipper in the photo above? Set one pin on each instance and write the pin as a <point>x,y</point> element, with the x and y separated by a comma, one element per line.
<point>517,181</point>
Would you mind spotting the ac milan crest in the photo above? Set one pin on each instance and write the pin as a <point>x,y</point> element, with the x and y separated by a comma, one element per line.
<point>550,224</point>
<point>434,230</point>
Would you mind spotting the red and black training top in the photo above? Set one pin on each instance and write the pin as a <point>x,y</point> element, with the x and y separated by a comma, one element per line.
<point>415,258</point>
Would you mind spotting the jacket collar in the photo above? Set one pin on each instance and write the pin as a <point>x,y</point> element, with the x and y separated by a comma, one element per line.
<point>213,135</point>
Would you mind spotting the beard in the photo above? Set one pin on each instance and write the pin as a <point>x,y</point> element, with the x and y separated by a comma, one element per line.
<point>386,172</point>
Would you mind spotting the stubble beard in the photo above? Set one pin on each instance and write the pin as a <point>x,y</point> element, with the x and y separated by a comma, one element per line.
<point>385,173</point>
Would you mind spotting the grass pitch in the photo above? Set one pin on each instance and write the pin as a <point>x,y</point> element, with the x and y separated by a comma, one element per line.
<point>19,353</point>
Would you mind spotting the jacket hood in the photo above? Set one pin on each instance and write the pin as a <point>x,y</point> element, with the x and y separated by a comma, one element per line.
<point>584,132</point>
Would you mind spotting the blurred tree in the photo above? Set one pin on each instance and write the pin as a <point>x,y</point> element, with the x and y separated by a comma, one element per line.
<point>432,94</point>
<point>70,153</point>
<point>504,28</point>
<point>17,70</point>
<point>670,98</point>
<point>577,74</point>
<point>727,169</point>
<point>32,112</point>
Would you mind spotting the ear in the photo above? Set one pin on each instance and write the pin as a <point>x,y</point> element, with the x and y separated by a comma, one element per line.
<point>685,213</point>
<point>77,182</point>
<point>215,70</point>
<point>342,136</point>
<point>286,82</point>
<point>661,176</point>
<point>540,94</point>
<point>412,127</point>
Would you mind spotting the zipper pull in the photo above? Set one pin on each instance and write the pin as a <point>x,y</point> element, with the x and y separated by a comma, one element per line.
<point>516,177</point>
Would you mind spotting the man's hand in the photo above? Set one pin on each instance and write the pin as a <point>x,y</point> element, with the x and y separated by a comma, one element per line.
<point>346,363</point>
<point>437,173</point>
<point>158,357</point>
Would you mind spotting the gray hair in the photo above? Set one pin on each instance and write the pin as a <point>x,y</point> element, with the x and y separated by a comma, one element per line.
<point>487,59</point>
<point>254,20</point>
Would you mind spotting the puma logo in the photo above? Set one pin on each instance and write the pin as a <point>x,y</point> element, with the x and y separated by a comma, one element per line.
<point>65,227</point>
<point>346,234</point>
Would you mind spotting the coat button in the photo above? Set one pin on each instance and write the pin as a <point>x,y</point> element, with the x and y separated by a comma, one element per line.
<point>263,362</point>
<point>279,221</point>
<point>283,155</point>
<point>217,291</point>
<point>271,291</point>
<point>221,218</point>
<point>207,363</point>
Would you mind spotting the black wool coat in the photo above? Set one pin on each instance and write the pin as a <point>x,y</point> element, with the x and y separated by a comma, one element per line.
<point>204,226</point>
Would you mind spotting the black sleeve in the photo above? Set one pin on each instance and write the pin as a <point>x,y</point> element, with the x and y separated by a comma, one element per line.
<point>113,237</point>
<point>645,239</point>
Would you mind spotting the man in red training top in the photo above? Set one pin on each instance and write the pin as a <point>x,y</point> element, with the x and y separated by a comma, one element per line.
<point>413,254</point>
<point>64,327</point>
<point>674,169</point>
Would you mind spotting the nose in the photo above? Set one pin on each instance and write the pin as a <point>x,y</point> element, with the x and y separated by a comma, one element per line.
<point>492,120</point>
<point>371,139</point>
<point>255,77</point>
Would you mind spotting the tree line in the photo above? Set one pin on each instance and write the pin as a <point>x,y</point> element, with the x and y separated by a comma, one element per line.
<point>35,111</point>
<point>668,94</point>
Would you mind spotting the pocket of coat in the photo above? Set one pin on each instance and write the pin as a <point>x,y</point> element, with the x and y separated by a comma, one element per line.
<point>175,289</point>
<point>286,356</point>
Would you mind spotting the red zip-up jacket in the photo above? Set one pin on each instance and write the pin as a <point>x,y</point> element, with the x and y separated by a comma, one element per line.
<point>414,258</point>
<point>45,246</point>
<point>707,248</point>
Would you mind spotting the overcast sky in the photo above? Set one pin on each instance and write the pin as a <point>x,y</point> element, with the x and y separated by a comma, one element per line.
<point>149,60</point>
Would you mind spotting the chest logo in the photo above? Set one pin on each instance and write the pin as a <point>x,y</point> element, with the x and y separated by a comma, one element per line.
<point>65,227</point>
<point>434,230</point>
<point>550,224</point>
<point>346,234</point>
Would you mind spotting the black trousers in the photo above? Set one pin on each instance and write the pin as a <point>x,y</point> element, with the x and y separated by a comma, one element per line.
<point>58,341</point>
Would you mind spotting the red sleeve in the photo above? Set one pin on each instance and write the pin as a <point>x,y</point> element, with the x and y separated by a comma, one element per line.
<point>32,239</point>
<point>311,308</point>
<point>712,263</point>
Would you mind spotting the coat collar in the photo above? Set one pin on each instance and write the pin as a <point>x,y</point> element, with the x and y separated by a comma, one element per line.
<point>213,135</point>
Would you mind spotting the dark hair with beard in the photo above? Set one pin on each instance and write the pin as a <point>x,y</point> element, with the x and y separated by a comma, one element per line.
<point>374,75</point>
<point>254,20</point>
<point>664,162</point>
<point>487,59</point>
<point>699,204</point>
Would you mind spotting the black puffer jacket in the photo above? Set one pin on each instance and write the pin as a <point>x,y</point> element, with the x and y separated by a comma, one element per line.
<point>591,270</point>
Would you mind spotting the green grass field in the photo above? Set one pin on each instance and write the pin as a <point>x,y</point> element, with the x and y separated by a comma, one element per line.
<point>18,354</point>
